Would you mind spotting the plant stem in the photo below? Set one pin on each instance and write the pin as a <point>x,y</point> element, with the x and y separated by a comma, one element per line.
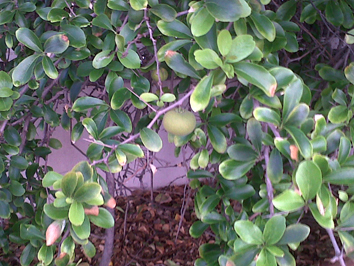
<point>338,253</point>
<point>269,183</point>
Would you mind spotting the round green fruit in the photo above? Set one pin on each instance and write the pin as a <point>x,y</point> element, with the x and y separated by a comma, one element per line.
<point>179,122</point>
<point>163,74</point>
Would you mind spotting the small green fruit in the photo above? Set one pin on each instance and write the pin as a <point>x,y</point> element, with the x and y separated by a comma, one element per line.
<point>163,74</point>
<point>179,122</point>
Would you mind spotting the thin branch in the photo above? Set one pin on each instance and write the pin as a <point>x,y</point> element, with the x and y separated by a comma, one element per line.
<point>338,253</point>
<point>268,182</point>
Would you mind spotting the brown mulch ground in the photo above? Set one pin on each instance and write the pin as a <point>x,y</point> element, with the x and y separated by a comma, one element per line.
<point>156,234</point>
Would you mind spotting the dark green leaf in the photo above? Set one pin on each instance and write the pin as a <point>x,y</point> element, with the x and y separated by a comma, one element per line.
<point>28,38</point>
<point>275,166</point>
<point>151,139</point>
<point>232,170</point>
<point>176,62</point>
<point>217,139</point>
<point>56,44</point>
<point>309,179</point>
<point>175,28</point>
<point>23,72</point>
<point>87,191</point>
<point>77,37</point>
<point>228,10</point>
<point>200,97</point>
<point>265,114</point>
<point>264,26</point>
<point>104,219</point>
<point>49,67</point>
<point>242,152</point>
<point>86,102</point>
<point>165,12</point>
<point>301,141</point>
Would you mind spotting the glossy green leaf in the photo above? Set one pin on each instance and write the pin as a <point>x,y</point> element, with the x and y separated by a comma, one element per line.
<point>202,22</point>
<point>208,58</point>
<point>241,47</point>
<point>165,12</point>
<point>104,219</point>
<point>87,191</point>
<point>171,46</point>
<point>45,254</point>
<point>298,115</point>
<point>30,39</point>
<point>282,75</point>
<point>49,67</point>
<point>57,15</point>
<point>309,179</point>
<point>275,166</point>
<point>89,249</point>
<point>232,170</point>
<point>338,114</point>
<point>344,149</point>
<point>121,119</point>
<point>251,72</point>
<point>301,140</point>
<point>175,28</point>
<point>349,72</point>
<point>77,37</point>
<point>242,152</point>
<point>56,44</point>
<point>91,127</point>
<point>287,10</point>
<point>334,13</point>
<point>197,229</point>
<point>288,201</point>
<point>294,233</point>
<point>12,136</point>
<point>151,139</point>
<point>328,73</point>
<point>23,72</point>
<point>274,229</point>
<point>55,213</point>
<point>264,26</point>
<point>200,97</point>
<point>19,162</point>
<point>4,209</point>
<point>102,59</point>
<point>264,114</point>
<point>27,255</point>
<point>119,97</point>
<point>130,60</point>
<point>223,119</point>
<point>76,213</point>
<point>228,10</point>
<point>83,231</point>
<point>292,97</point>
<point>102,21</point>
<point>87,102</point>
<point>325,220</point>
<point>217,139</point>
<point>176,62</point>
<point>343,176</point>
<point>249,232</point>
<point>6,16</point>
<point>16,188</point>
<point>254,131</point>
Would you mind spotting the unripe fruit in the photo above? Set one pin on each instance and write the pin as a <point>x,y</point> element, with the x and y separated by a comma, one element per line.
<point>179,122</point>
<point>163,74</point>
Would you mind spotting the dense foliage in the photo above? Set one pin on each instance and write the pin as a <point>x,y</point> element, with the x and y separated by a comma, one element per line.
<point>271,85</point>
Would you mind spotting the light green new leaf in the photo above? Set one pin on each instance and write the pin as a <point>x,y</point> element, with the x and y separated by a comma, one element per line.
<point>338,114</point>
<point>301,140</point>
<point>50,178</point>
<point>325,220</point>
<point>224,42</point>
<point>130,60</point>
<point>232,170</point>
<point>200,97</point>
<point>151,139</point>
<point>251,73</point>
<point>294,233</point>
<point>265,114</point>
<point>309,179</point>
<point>5,81</point>
<point>28,38</point>
<point>83,231</point>
<point>69,183</point>
<point>241,47</point>
<point>274,229</point>
<point>138,4</point>
<point>249,232</point>
<point>228,10</point>
<point>76,213</point>
<point>266,258</point>
<point>87,191</point>
<point>23,72</point>
<point>201,22</point>
<point>288,201</point>
<point>264,25</point>
<point>49,67</point>
<point>176,62</point>
<point>208,58</point>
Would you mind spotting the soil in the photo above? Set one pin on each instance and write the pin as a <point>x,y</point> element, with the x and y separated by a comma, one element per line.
<point>153,234</point>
